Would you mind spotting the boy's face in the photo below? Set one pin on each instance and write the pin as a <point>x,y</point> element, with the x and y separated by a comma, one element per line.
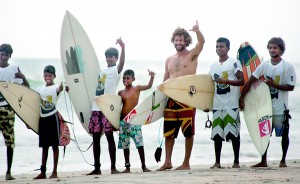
<point>49,77</point>
<point>111,61</point>
<point>127,80</point>
<point>221,49</point>
<point>4,57</point>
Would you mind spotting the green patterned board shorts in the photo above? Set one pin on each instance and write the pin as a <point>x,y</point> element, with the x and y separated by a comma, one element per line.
<point>128,131</point>
<point>225,122</point>
<point>7,119</point>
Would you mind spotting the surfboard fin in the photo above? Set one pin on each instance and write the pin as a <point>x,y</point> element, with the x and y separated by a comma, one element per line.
<point>157,154</point>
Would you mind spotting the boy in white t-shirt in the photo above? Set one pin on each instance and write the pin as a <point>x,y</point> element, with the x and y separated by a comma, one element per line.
<point>107,84</point>
<point>280,76</point>
<point>50,120</point>
<point>228,76</point>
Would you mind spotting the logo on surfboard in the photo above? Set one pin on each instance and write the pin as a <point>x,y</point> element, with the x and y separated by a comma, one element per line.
<point>264,126</point>
<point>192,91</point>
<point>129,116</point>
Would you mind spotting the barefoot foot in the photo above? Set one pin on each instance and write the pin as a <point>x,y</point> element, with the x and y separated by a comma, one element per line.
<point>40,176</point>
<point>236,165</point>
<point>282,164</point>
<point>95,172</point>
<point>261,164</point>
<point>216,166</point>
<point>165,167</point>
<point>183,167</point>
<point>145,169</point>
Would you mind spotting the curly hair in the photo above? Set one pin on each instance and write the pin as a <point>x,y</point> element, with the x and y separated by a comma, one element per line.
<point>179,32</point>
<point>279,42</point>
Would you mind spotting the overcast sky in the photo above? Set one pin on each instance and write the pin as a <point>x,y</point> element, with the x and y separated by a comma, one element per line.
<point>33,27</point>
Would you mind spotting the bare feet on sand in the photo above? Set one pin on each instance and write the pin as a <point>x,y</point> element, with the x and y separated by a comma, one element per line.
<point>40,176</point>
<point>53,175</point>
<point>145,169</point>
<point>236,165</point>
<point>261,164</point>
<point>282,164</point>
<point>127,170</point>
<point>165,167</point>
<point>94,172</point>
<point>8,176</point>
<point>216,166</point>
<point>183,167</point>
<point>114,171</point>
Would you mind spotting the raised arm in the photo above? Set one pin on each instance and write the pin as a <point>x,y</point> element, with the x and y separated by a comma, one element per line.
<point>20,75</point>
<point>199,46</point>
<point>150,83</point>
<point>122,56</point>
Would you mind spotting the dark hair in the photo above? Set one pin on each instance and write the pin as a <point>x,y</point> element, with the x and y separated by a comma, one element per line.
<point>112,52</point>
<point>129,72</point>
<point>279,42</point>
<point>49,69</point>
<point>6,48</point>
<point>179,32</point>
<point>224,40</point>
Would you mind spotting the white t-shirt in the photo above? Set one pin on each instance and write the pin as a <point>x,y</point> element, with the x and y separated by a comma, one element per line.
<point>48,94</point>
<point>282,73</point>
<point>8,74</point>
<point>226,96</point>
<point>107,83</point>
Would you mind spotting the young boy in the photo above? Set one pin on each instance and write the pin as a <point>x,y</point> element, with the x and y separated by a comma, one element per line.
<point>107,84</point>
<point>228,76</point>
<point>130,97</point>
<point>11,73</point>
<point>49,121</point>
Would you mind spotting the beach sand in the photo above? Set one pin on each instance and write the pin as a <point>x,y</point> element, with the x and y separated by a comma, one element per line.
<point>198,174</point>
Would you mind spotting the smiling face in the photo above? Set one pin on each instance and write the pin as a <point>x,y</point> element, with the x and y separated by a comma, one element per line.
<point>179,42</point>
<point>221,49</point>
<point>49,78</point>
<point>274,50</point>
<point>111,61</point>
<point>127,80</point>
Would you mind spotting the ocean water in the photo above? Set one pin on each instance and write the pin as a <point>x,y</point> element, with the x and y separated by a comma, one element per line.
<point>27,155</point>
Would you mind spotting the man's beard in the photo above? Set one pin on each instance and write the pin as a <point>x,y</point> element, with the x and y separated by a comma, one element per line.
<point>180,48</point>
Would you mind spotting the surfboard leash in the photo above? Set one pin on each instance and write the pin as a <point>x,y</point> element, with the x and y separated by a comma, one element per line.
<point>157,154</point>
<point>73,130</point>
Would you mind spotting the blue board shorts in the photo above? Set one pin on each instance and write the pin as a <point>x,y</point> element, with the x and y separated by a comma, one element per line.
<point>277,124</point>
<point>128,131</point>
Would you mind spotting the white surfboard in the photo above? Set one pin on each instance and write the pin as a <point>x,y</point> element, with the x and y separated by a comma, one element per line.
<point>80,67</point>
<point>148,110</point>
<point>24,101</point>
<point>111,106</point>
<point>193,90</point>
<point>258,115</point>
